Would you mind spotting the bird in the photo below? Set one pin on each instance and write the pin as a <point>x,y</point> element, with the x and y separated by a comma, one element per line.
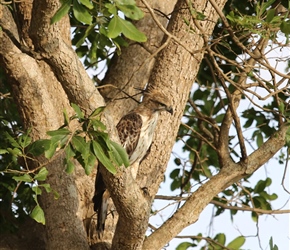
<point>135,130</point>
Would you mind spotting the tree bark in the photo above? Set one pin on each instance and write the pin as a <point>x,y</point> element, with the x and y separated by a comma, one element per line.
<point>174,72</point>
<point>44,81</point>
<point>131,70</point>
<point>46,76</point>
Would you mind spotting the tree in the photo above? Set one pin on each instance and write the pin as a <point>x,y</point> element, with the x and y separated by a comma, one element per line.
<point>61,123</point>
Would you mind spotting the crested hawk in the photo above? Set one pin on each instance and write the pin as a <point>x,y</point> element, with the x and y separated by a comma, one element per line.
<point>135,131</point>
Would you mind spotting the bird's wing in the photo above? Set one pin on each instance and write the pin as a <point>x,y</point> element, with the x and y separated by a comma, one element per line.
<point>129,129</point>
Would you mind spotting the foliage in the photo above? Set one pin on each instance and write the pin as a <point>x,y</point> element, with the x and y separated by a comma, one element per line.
<point>25,178</point>
<point>100,28</point>
<point>217,243</point>
<point>246,26</point>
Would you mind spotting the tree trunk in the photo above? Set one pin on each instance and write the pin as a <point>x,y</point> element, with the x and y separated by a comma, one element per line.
<point>174,72</point>
<point>46,76</point>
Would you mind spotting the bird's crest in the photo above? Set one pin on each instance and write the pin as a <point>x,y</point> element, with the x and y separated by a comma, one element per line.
<point>156,95</point>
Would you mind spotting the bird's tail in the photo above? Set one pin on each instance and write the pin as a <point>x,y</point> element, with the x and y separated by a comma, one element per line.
<point>100,201</point>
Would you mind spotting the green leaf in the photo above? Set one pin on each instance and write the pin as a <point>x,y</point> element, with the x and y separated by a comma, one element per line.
<point>111,8</point>
<point>254,216</point>
<point>90,164</point>
<point>125,2</point>
<point>81,40</point>
<point>24,140</point>
<point>81,13</point>
<point>100,154</point>
<point>175,184</point>
<point>69,152</point>
<point>12,141</point>
<point>265,6</point>
<point>285,27</point>
<point>248,123</point>
<point>120,42</point>
<point>287,137</point>
<point>78,111</point>
<point>36,190</point>
<point>55,195</point>
<point>282,107</point>
<point>46,187</point>
<point>206,171</point>
<point>62,11</point>
<point>93,51</point>
<point>59,133</point>
<point>95,114</point>
<point>259,139</point>
<point>3,151</point>
<point>272,197</point>
<point>79,144</point>
<point>51,150</point>
<point>69,166</point>
<point>98,125</point>
<point>131,32</point>
<point>237,243</point>
<point>114,27</point>
<point>131,11</point>
<point>87,3</point>
<point>260,186</point>
<point>270,15</point>
<point>184,246</point>
<point>59,137</point>
<point>41,175</point>
<point>120,155</point>
<point>39,147</point>
<point>268,181</point>
<point>14,151</point>
<point>25,178</point>
<point>174,173</point>
<point>272,246</point>
<point>38,215</point>
<point>65,117</point>
<point>220,238</point>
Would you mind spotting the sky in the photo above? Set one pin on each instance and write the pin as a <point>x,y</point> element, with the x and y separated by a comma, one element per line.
<point>257,235</point>
<point>269,226</point>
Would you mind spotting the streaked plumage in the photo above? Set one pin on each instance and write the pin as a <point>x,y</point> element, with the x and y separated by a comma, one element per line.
<point>135,131</point>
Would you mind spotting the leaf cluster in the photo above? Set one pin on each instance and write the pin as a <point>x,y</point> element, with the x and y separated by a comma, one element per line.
<point>101,26</point>
<point>225,71</point>
<point>217,242</point>
<point>264,22</point>
<point>87,145</point>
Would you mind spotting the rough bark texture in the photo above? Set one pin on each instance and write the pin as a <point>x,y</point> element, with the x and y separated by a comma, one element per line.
<point>46,75</point>
<point>174,73</point>
<point>139,58</point>
<point>43,86</point>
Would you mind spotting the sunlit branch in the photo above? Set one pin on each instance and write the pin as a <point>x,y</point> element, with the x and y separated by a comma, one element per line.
<point>226,206</point>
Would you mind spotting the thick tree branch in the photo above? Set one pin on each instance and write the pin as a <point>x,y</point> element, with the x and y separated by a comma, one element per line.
<point>225,206</point>
<point>189,212</point>
<point>132,215</point>
<point>174,62</point>
<point>48,39</point>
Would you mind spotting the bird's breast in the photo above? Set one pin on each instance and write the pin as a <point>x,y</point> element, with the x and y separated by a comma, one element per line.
<point>145,139</point>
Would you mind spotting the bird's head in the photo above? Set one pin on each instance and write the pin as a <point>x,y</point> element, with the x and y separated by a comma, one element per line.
<point>158,101</point>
